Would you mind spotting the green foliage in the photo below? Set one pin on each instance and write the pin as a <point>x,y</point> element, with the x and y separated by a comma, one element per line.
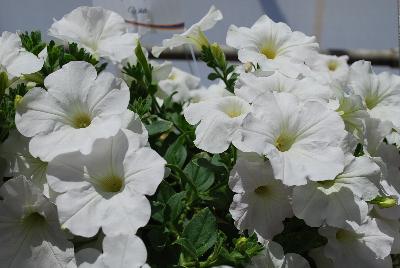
<point>214,57</point>
<point>32,42</point>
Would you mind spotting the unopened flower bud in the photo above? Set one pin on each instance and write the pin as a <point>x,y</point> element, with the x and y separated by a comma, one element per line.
<point>248,67</point>
<point>384,201</point>
<point>17,100</point>
<point>218,54</point>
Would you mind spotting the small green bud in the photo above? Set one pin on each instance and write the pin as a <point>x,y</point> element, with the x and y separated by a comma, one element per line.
<point>384,201</point>
<point>248,67</point>
<point>17,100</point>
<point>241,242</point>
<point>30,85</point>
<point>218,54</point>
<point>4,82</point>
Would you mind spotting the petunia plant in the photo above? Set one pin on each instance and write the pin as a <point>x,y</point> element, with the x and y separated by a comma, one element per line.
<point>110,159</point>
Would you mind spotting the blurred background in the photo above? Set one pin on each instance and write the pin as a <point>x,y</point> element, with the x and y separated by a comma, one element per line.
<point>337,24</point>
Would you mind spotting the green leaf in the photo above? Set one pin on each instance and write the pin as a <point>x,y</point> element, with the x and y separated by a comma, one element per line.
<point>187,247</point>
<point>201,231</point>
<point>213,76</point>
<point>143,61</point>
<point>176,153</point>
<point>201,176</point>
<point>158,127</point>
<point>175,206</point>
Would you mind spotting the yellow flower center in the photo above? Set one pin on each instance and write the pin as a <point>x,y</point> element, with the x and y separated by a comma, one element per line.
<point>81,120</point>
<point>284,142</point>
<point>269,52</point>
<point>327,184</point>
<point>371,101</point>
<point>346,236</point>
<point>332,65</point>
<point>33,219</point>
<point>111,184</point>
<point>262,190</point>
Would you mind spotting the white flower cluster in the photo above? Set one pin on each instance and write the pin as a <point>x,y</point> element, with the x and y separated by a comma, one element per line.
<point>316,139</point>
<point>82,156</point>
<point>298,118</point>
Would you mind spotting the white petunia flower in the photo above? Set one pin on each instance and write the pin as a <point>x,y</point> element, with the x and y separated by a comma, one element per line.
<point>252,86</point>
<point>273,257</point>
<point>21,162</point>
<point>359,246</point>
<point>30,233</point>
<point>77,108</point>
<point>388,158</point>
<point>329,68</point>
<point>218,121</point>
<point>301,139</point>
<point>319,258</point>
<point>101,32</point>
<point>193,35</point>
<point>119,251</point>
<point>214,91</point>
<point>380,92</point>
<point>261,203</point>
<point>375,132</point>
<point>180,82</point>
<point>14,59</point>
<point>274,46</point>
<point>106,188</point>
<point>352,111</point>
<point>340,199</point>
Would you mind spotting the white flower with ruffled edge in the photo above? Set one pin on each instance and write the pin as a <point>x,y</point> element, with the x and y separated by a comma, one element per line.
<point>119,251</point>
<point>274,46</point>
<point>214,91</point>
<point>273,257</point>
<point>101,32</point>
<point>106,188</point>
<point>252,86</point>
<point>301,139</point>
<point>20,162</point>
<point>340,199</point>
<point>380,92</point>
<point>329,68</point>
<point>194,35</point>
<point>14,59</point>
<point>388,158</point>
<point>359,246</point>
<point>30,232</point>
<point>78,107</point>
<point>261,202</point>
<point>218,121</point>
<point>352,111</point>
<point>178,82</point>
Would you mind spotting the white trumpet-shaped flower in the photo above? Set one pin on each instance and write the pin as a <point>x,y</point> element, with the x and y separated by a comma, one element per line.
<point>251,86</point>
<point>30,232</point>
<point>261,203</point>
<point>106,188</point>
<point>78,107</point>
<point>14,59</point>
<point>101,32</point>
<point>366,245</point>
<point>178,82</point>
<point>214,91</point>
<point>329,68</point>
<point>379,92</point>
<point>273,257</point>
<point>340,199</point>
<point>119,251</point>
<point>301,139</point>
<point>218,121</point>
<point>20,162</point>
<point>272,45</point>
<point>194,35</point>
